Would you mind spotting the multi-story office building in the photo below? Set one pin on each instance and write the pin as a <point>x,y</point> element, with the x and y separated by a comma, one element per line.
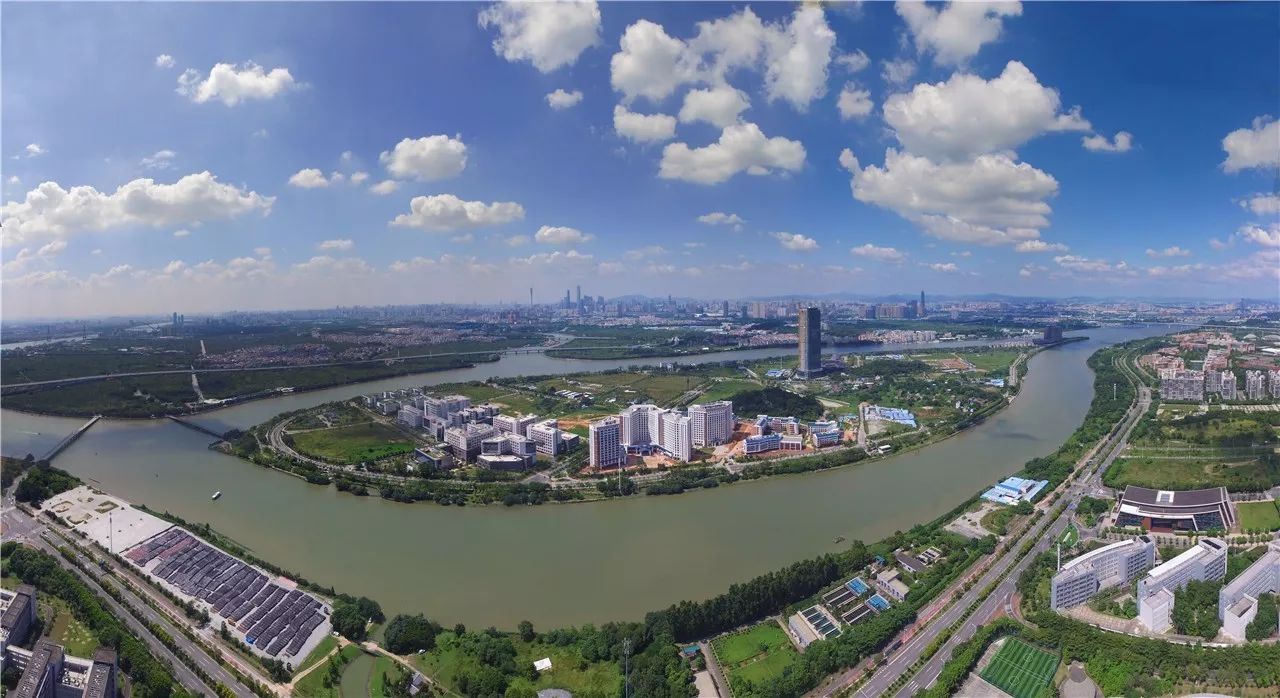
<point>1185,510</point>
<point>1106,567</point>
<point>1183,385</point>
<point>546,434</point>
<point>810,331</point>
<point>920,312</point>
<point>604,443</point>
<point>442,407</point>
<point>45,670</point>
<point>1238,600</point>
<point>830,437</point>
<point>712,423</point>
<point>1255,385</point>
<point>511,424</point>
<point>464,441</point>
<point>507,452</point>
<point>761,443</point>
<point>1206,561</point>
<point>410,416</point>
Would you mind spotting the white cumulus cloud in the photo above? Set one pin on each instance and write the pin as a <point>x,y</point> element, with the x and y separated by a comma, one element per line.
<point>341,245</point>
<point>164,60</point>
<point>854,103</point>
<point>446,212</point>
<point>643,128</point>
<point>880,254</point>
<point>561,235</point>
<point>560,99</point>
<point>1098,143</point>
<point>550,35</point>
<point>722,218</point>
<point>428,158</point>
<point>50,210</point>
<point>796,241</point>
<point>718,106</point>
<point>741,148</point>
<point>1173,251</point>
<point>1262,204</point>
<point>231,84</point>
<point>1256,146</point>
<point>955,32</point>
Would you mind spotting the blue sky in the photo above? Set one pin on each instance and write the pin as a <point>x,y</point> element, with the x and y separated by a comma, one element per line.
<point>407,153</point>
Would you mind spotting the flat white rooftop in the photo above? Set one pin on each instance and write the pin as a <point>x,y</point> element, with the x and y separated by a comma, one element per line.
<point>106,520</point>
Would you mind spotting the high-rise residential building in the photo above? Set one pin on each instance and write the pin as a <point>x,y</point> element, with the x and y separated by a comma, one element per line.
<point>1182,385</point>
<point>810,331</point>
<point>1228,386</point>
<point>1106,567</point>
<point>1255,385</point>
<point>605,443</point>
<point>712,423</point>
<point>634,427</point>
<point>1274,379</point>
<point>677,435</point>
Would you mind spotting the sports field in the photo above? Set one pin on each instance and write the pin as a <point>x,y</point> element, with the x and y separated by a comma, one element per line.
<point>1071,536</point>
<point>1021,670</point>
<point>1258,516</point>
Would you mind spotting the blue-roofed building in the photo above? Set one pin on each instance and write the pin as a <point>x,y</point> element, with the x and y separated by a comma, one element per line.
<point>826,438</point>
<point>1012,490</point>
<point>890,414</point>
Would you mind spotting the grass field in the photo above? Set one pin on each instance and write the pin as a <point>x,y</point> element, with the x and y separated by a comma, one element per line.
<point>1189,472</point>
<point>754,656</point>
<point>326,645</point>
<point>1258,516</point>
<point>1021,670</point>
<point>738,648</point>
<point>994,361</point>
<point>1071,536</point>
<point>313,684</point>
<point>353,444</point>
<point>568,668</point>
<point>385,671</point>
<point>69,632</point>
<point>725,389</point>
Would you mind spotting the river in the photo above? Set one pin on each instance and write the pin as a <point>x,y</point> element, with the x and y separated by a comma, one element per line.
<point>568,564</point>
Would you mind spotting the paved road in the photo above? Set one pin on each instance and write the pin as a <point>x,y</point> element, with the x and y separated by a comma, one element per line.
<point>17,525</point>
<point>1001,597</point>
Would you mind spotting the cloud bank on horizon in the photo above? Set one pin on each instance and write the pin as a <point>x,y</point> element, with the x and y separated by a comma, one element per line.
<point>716,150</point>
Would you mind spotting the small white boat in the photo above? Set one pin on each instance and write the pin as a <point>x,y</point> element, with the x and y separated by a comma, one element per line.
<point>216,494</point>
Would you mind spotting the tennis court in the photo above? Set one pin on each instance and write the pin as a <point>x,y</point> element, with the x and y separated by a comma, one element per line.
<point>1021,670</point>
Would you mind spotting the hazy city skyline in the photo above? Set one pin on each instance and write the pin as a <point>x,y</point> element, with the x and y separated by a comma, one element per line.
<point>288,156</point>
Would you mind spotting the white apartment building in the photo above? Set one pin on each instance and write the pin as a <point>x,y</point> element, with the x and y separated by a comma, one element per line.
<point>1108,566</point>
<point>712,423</point>
<point>1228,386</point>
<point>1275,383</point>
<point>1206,561</point>
<point>605,443</point>
<point>1255,385</point>
<point>677,435</point>
<point>511,424</point>
<point>546,434</point>
<point>635,425</point>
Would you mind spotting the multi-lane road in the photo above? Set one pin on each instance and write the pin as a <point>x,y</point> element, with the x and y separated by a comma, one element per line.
<point>900,663</point>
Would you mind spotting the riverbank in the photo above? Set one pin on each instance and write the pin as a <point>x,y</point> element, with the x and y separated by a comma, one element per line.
<point>706,539</point>
<point>400,478</point>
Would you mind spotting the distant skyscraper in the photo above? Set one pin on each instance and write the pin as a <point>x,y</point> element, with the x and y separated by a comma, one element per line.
<point>724,309</point>
<point>920,307</point>
<point>578,297</point>
<point>810,332</point>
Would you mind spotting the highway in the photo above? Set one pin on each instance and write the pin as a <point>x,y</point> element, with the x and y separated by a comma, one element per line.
<point>23,528</point>
<point>911,651</point>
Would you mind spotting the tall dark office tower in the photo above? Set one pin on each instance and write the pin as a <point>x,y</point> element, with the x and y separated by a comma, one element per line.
<point>578,297</point>
<point>810,342</point>
<point>724,309</point>
<point>920,308</point>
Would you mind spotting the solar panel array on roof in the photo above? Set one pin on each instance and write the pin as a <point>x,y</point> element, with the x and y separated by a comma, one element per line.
<point>821,622</point>
<point>273,619</point>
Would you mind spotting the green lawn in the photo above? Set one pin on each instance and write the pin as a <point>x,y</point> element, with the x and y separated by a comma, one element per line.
<point>326,645</point>
<point>1185,473</point>
<point>1071,536</point>
<point>725,389</point>
<point>1258,516</point>
<point>313,684</point>
<point>753,656</point>
<point>994,361</point>
<point>765,637</point>
<point>385,671</point>
<point>353,444</point>
<point>1021,670</point>
<point>67,631</point>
